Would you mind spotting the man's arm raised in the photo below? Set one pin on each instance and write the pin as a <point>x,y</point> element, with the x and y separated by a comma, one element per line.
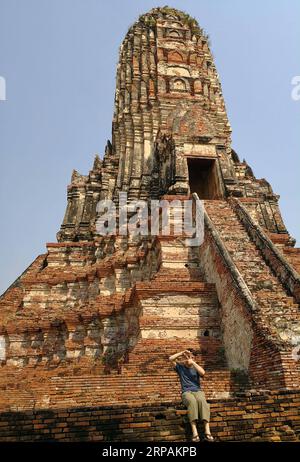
<point>175,356</point>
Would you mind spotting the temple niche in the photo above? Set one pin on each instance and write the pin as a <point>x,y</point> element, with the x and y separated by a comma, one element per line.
<point>179,85</point>
<point>87,329</point>
<point>175,56</point>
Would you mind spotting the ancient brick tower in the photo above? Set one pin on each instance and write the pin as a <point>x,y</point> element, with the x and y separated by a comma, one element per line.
<point>94,312</point>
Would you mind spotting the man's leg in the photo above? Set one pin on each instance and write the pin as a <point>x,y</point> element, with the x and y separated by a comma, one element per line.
<point>206,427</point>
<point>204,411</point>
<point>194,428</point>
<point>190,402</point>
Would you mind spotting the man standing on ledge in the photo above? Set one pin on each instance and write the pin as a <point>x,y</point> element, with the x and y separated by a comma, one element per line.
<point>192,395</point>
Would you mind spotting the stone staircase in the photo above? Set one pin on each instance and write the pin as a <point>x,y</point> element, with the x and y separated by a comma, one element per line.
<point>179,311</point>
<point>276,309</point>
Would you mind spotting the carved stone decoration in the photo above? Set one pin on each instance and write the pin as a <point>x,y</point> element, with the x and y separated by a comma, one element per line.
<point>164,165</point>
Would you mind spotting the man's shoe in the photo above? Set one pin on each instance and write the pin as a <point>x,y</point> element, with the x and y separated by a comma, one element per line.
<point>208,437</point>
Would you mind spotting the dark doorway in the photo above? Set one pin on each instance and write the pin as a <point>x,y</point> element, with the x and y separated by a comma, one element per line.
<point>203,178</point>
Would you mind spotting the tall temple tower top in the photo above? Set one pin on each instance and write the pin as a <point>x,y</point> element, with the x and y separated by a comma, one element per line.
<point>170,131</point>
<point>167,85</point>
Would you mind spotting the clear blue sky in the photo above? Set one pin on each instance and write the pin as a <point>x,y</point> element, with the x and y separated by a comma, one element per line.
<point>59,60</point>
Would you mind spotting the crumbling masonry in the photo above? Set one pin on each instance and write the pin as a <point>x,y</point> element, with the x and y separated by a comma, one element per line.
<point>94,312</point>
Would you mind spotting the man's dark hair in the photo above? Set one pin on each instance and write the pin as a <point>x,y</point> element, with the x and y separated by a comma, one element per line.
<point>191,350</point>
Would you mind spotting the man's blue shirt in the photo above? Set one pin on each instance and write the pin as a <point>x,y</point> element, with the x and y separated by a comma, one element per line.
<point>189,378</point>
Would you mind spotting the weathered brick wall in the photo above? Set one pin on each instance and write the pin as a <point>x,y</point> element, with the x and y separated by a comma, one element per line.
<point>293,256</point>
<point>265,368</point>
<point>273,416</point>
<point>236,324</point>
<point>71,304</point>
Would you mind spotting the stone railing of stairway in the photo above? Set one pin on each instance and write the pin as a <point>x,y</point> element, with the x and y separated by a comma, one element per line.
<point>275,259</point>
<point>232,290</point>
